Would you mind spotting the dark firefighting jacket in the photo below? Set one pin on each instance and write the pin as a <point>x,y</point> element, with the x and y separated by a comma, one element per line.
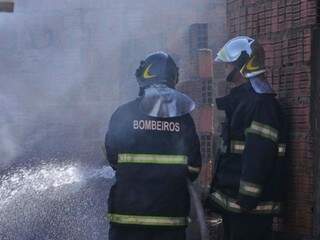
<point>249,173</point>
<point>154,159</point>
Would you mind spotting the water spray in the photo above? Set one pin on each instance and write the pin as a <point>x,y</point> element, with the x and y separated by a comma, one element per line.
<point>49,177</point>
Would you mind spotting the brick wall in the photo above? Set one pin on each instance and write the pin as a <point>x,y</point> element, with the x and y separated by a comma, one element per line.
<point>205,81</point>
<point>199,87</point>
<point>285,28</point>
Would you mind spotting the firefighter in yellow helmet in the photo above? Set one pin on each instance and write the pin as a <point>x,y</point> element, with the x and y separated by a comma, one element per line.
<point>249,173</point>
<point>153,146</point>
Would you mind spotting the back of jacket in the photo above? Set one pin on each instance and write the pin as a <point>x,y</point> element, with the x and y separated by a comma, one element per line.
<point>250,170</point>
<point>153,158</point>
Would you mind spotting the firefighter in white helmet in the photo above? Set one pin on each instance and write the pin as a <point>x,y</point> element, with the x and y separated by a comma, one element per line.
<point>249,173</point>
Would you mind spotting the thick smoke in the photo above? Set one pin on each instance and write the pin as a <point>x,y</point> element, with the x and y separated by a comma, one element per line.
<point>65,65</point>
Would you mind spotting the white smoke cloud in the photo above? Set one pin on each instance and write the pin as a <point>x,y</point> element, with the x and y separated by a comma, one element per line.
<point>69,63</point>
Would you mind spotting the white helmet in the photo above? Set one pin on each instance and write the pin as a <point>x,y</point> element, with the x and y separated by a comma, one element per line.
<point>245,53</point>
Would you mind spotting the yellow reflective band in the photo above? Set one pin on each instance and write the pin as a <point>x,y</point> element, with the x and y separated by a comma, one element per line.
<point>242,69</point>
<point>232,205</point>
<point>194,169</point>
<point>268,206</point>
<point>146,73</point>
<point>250,189</point>
<point>282,150</point>
<point>225,202</point>
<point>250,65</point>
<point>238,147</point>
<point>147,220</point>
<point>263,130</point>
<point>152,159</point>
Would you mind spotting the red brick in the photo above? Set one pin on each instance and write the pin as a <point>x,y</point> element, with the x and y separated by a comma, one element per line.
<point>205,119</point>
<point>205,63</point>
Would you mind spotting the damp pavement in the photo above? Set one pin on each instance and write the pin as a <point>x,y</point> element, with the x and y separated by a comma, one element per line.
<point>55,200</point>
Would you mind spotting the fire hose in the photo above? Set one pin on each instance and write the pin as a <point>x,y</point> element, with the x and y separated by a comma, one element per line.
<point>204,234</point>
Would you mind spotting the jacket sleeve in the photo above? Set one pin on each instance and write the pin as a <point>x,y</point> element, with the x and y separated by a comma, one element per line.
<point>194,156</point>
<point>111,143</point>
<point>260,153</point>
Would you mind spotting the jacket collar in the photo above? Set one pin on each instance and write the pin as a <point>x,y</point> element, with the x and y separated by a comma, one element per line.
<point>236,93</point>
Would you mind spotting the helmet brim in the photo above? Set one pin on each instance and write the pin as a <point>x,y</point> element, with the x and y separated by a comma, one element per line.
<point>164,102</point>
<point>218,60</point>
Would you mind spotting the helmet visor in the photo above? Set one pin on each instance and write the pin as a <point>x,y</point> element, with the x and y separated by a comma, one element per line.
<point>232,50</point>
<point>222,56</point>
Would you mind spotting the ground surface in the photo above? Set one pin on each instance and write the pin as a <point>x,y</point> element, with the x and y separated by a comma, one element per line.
<point>54,201</point>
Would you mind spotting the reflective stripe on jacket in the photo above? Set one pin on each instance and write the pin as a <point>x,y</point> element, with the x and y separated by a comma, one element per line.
<point>148,220</point>
<point>153,158</point>
<point>250,171</point>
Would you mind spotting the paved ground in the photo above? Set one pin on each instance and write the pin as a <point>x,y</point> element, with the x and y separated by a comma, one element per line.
<point>54,201</point>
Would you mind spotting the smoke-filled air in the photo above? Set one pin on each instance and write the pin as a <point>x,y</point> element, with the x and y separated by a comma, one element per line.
<point>65,66</point>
